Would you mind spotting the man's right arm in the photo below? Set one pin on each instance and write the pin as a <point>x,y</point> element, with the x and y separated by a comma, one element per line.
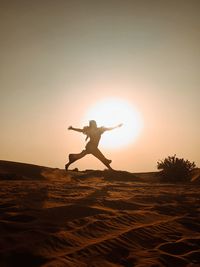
<point>75,129</point>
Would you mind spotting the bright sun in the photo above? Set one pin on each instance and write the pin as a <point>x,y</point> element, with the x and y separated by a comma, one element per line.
<point>110,112</point>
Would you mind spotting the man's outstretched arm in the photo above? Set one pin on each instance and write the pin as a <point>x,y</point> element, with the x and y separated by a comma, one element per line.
<point>112,128</point>
<point>75,129</point>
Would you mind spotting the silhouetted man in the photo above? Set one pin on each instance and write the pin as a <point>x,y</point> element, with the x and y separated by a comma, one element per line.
<point>94,133</point>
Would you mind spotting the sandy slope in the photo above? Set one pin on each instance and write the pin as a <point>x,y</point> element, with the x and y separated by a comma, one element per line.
<point>95,218</point>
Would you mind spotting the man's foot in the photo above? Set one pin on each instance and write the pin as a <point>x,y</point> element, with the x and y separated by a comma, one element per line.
<point>67,166</point>
<point>108,164</point>
<point>110,168</point>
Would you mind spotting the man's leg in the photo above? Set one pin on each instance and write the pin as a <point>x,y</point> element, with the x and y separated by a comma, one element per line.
<point>97,153</point>
<point>75,157</point>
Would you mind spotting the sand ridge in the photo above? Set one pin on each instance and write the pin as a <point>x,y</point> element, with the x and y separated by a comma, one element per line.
<point>97,219</point>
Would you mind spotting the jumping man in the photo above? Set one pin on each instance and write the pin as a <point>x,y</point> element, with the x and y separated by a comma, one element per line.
<point>94,133</point>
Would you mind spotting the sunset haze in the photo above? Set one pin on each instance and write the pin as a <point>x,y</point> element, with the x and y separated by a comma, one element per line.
<point>59,58</point>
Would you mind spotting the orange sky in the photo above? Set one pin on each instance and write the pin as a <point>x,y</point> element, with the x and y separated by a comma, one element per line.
<point>60,57</point>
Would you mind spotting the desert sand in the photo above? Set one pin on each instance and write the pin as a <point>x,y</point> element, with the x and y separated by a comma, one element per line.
<point>53,218</point>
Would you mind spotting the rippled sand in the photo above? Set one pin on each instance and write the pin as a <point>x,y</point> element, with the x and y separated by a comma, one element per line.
<point>97,219</point>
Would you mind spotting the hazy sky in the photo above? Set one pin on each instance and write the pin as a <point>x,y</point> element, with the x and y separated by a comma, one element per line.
<point>57,58</point>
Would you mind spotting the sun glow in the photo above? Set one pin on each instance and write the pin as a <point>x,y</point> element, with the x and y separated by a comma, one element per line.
<point>111,112</point>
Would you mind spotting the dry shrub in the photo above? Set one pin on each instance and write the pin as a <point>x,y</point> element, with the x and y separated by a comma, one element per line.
<point>174,169</point>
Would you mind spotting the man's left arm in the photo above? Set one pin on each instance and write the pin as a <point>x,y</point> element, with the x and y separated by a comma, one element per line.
<point>112,128</point>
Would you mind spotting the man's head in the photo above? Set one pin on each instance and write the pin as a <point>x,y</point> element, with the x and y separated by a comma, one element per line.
<point>93,124</point>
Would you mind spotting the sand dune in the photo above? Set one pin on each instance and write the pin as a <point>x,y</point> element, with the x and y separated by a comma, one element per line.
<point>53,218</point>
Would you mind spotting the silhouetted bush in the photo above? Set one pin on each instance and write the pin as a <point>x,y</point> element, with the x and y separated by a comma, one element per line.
<point>174,169</point>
